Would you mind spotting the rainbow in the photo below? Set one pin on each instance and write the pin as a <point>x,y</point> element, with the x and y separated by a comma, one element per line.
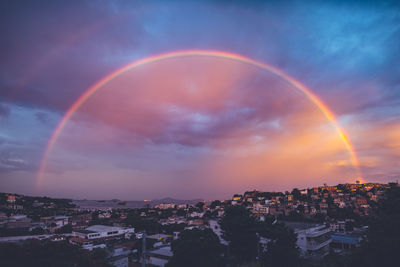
<point>207,53</point>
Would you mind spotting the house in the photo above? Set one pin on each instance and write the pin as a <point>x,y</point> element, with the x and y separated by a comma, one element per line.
<point>195,222</point>
<point>165,206</point>
<point>18,221</point>
<point>160,237</point>
<point>81,221</point>
<point>195,214</point>
<point>10,198</point>
<point>56,238</point>
<point>261,209</point>
<point>119,254</point>
<point>159,256</point>
<point>56,221</point>
<point>173,220</point>
<point>237,198</point>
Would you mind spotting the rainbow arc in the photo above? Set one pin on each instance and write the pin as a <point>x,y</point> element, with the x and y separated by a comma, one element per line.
<point>206,53</point>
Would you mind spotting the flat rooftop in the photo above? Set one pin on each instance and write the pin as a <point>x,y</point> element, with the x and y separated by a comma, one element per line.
<point>103,228</point>
<point>164,251</point>
<point>83,231</point>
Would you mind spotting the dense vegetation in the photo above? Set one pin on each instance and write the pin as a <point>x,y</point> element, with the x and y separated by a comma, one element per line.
<point>37,253</point>
<point>197,248</point>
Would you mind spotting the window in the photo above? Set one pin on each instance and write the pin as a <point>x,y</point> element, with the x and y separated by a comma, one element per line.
<point>112,233</point>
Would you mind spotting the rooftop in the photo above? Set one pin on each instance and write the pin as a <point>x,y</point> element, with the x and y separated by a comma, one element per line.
<point>164,251</point>
<point>158,236</point>
<point>103,228</point>
<point>84,231</point>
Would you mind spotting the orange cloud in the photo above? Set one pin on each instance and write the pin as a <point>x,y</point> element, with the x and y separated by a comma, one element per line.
<point>210,126</point>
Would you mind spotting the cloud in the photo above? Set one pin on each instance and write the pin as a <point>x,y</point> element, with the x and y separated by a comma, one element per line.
<point>4,111</point>
<point>190,120</point>
<point>352,41</point>
<point>221,115</point>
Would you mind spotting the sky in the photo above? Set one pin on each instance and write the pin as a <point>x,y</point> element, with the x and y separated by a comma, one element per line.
<point>196,126</point>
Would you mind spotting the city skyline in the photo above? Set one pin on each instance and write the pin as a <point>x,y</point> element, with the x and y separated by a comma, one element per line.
<point>321,106</point>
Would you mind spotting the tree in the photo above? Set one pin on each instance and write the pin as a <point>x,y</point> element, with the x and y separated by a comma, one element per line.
<point>200,205</point>
<point>181,212</point>
<point>174,227</point>
<point>64,229</point>
<point>300,208</point>
<point>296,193</point>
<point>37,231</point>
<point>196,248</point>
<point>282,250</point>
<point>215,203</point>
<point>239,229</point>
<point>349,226</point>
<point>46,253</point>
<point>151,225</point>
<point>383,236</point>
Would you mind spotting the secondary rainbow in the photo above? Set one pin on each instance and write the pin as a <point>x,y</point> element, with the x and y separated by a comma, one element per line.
<point>208,53</point>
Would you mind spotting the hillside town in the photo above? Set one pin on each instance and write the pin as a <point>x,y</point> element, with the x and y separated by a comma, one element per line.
<point>325,219</point>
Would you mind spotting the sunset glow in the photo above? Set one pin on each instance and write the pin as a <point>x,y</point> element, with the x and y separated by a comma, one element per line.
<point>215,57</point>
<point>139,101</point>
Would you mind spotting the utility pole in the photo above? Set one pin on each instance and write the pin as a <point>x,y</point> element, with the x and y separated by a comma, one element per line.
<point>144,249</point>
<point>258,248</point>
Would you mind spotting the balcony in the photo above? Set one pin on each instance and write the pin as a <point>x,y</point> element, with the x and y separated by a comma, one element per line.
<point>312,245</point>
<point>317,232</point>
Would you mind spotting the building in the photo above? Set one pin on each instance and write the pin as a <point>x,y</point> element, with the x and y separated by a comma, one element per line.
<point>345,242</point>
<point>237,198</point>
<point>86,243</point>
<point>165,206</point>
<point>313,240</point>
<point>18,221</point>
<point>11,199</point>
<point>57,238</point>
<point>338,226</point>
<point>120,254</point>
<point>58,221</point>
<point>96,236</point>
<point>159,256</point>
<point>102,231</point>
<point>160,238</point>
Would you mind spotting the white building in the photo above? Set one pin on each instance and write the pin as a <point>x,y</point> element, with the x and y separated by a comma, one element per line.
<point>87,244</point>
<point>196,214</point>
<point>160,256</point>
<point>314,242</point>
<point>102,231</point>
